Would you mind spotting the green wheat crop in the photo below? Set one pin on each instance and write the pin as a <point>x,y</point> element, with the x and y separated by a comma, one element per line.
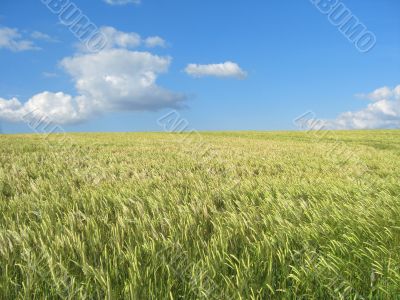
<point>239,215</point>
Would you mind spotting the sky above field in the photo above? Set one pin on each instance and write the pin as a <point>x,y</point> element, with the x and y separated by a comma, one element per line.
<point>120,65</point>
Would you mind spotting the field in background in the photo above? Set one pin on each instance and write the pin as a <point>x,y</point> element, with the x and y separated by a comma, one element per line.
<point>241,215</point>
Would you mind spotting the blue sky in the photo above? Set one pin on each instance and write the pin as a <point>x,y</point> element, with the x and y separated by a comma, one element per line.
<point>224,65</point>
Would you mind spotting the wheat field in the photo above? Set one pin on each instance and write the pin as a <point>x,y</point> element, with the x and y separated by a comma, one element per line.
<point>218,215</point>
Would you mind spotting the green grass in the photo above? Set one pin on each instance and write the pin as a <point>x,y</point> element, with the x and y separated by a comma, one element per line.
<point>236,215</point>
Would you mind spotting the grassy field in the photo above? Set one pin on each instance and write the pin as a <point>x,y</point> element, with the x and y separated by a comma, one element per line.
<point>240,215</point>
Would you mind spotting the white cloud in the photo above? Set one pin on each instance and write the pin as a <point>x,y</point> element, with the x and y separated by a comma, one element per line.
<point>227,69</point>
<point>37,35</point>
<point>113,79</point>
<point>60,107</point>
<point>154,41</point>
<point>120,39</point>
<point>383,112</point>
<point>121,2</point>
<point>11,39</point>
<point>49,74</point>
<point>119,79</point>
<point>125,40</point>
<point>9,105</point>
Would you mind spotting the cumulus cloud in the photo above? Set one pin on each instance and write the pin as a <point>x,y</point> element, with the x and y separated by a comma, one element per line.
<point>56,106</point>
<point>121,2</point>
<point>227,69</point>
<point>120,79</point>
<point>11,39</point>
<point>382,112</point>
<point>381,93</point>
<point>114,79</point>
